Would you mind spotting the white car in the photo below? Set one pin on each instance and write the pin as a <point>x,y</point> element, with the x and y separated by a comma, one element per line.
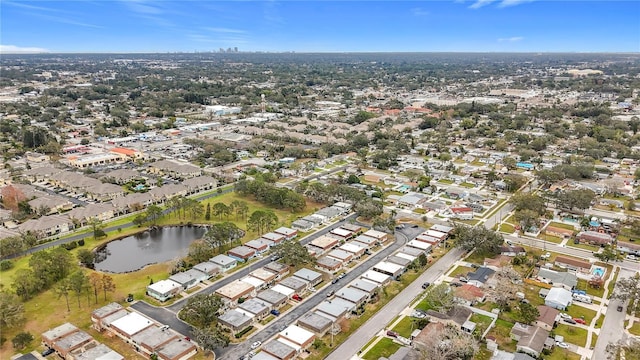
<point>631,257</point>
<point>256,345</point>
<point>562,345</point>
<point>565,316</point>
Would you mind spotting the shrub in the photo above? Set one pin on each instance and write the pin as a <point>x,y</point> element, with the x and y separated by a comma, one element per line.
<point>6,265</point>
<point>81,242</point>
<point>241,333</point>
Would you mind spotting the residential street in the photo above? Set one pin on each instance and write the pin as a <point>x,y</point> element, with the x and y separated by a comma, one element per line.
<point>377,322</point>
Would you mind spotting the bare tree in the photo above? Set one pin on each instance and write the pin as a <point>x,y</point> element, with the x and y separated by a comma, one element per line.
<point>449,343</point>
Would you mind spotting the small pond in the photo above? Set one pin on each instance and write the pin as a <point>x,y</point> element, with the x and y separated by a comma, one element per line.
<point>153,246</point>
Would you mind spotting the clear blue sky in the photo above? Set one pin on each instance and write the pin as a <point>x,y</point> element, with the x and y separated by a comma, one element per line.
<point>320,26</point>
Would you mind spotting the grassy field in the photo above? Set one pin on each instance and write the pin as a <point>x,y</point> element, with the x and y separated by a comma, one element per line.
<point>405,326</point>
<point>460,270</point>
<point>501,332</point>
<point>635,329</point>
<point>583,285</point>
<point>577,311</point>
<point>482,322</point>
<point>507,228</point>
<point>384,348</point>
<point>572,334</point>
<point>550,238</point>
<point>562,354</point>
<point>562,225</point>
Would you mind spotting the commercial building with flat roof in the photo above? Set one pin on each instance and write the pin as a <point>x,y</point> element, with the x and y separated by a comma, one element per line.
<point>312,277</point>
<point>127,326</point>
<point>296,284</point>
<point>235,320</point>
<point>287,232</point>
<point>364,285</point>
<point>265,275</point>
<point>153,338</point>
<point>274,298</point>
<point>50,336</point>
<point>258,308</point>
<point>352,295</point>
<point>225,262</point>
<point>335,309</point>
<point>279,350</point>
<point>64,345</point>
<point>297,336</point>
<point>177,349</point>
<point>98,352</point>
<point>329,264</point>
<point>234,291</point>
<point>324,243</point>
<point>317,324</point>
<point>389,268</point>
<point>98,314</point>
<point>241,253</point>
<point>376,277</point>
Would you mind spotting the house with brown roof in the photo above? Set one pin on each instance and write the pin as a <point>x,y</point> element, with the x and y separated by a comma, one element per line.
<point>547,318</point>
<point>573,265</point>
<point>468,294</point>
<point>559,232</point>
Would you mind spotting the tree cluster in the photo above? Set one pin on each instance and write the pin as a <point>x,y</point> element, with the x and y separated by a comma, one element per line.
<point>271,195</point>
<point>478,238</point>
<point>293,253</point>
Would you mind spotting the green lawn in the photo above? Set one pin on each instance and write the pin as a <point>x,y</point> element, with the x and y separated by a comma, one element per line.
<point>501,332</point>
<point>482,322</point>
<point>594,340</point>
<point>583,285</point>
<point>460,270</point>
<point>577,311</point>
<point>583,246</point>
<point>562,225</point>
<point>405,327</point>
<point>562,354</point>
<point>572,334</point>
<point>468,185</point>
<point>482,354</point>
<point>612,283</point>
<point>507,228</point>
<point>550,238</point>
<point>445,181</point>
<point>635,329</point>
<point>384,348</point>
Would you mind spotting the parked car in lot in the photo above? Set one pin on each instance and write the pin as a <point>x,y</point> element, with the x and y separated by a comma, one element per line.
<point>580,321</point>
<point>47,352</point>
<point>562,345</point>
<point>296,297</point>
<point>392,334</point>
<point>565,316</point>
<point>256,344</point>
<point>569,321</point>
<point>275,312</point>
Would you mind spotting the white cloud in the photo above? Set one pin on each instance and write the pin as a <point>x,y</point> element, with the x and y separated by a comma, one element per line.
<point>12,49</point>
<point>511,39</point>
<point>507,3</point>
<point>480,3</point>
<point>225,30</point>
<point>419,12</point>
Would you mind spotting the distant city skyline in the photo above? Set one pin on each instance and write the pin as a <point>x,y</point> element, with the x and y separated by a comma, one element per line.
<point>123,26</point>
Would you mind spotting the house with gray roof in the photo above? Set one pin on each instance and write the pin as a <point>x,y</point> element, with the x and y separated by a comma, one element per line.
<point>199,183</point>
<point>317,324</point>
<point>312,277</point>
<point>565,280</point>
<point>225,262</point>
<point>274,298</point>
<point>257,307</point>
<point>279,350</point>
<point>188,279</point>
<point>235,320</point>
<point>364,285</point>
<point>294,283</point>
<point>353,295</point>
<point>335,309</point>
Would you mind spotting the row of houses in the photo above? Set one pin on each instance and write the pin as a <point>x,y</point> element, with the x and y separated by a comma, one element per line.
<point>143,334</point>
<point>265,290</point>
<point>71,343</point>
<point>322,216</point>
<point>255,247</point>
<point>60,221</point>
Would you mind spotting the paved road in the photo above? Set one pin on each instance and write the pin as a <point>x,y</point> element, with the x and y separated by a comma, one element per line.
<point>613,326</point>
<point>377,322</point>
<point>236,351</point>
